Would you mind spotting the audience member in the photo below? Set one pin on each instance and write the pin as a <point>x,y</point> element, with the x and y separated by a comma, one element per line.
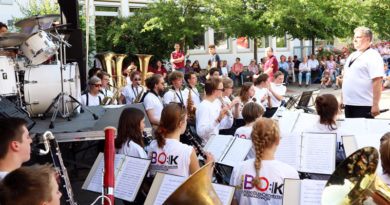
<point>304,69</point>
<point>237,69</point>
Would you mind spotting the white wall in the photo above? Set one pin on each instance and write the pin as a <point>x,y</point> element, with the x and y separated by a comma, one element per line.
<point>10,9</point>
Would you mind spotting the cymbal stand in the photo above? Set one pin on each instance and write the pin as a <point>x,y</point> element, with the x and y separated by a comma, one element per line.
<point>61,97</point>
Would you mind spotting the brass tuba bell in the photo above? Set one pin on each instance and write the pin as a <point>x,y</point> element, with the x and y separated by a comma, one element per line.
<point>143,64</point>
<point>355,181</point>
<point>197,189</point>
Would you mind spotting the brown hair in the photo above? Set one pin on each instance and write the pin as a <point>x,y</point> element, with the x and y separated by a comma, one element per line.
<point>385,153</point>
<point>244,94</point>
<point>211,46</point>
<point>187,76</point>
<point>133,74</point>
<point>227,82</point>
<point>327,107</point>
<point>11,129</point>
<point>211,85</point>
<point>174,75</point>
<point>129,127</point>
<point>101,74</point>
<point>152,81</point>
<point>264,135</point>
<point>262,78</point>
<point>277,74</point>
<point>251,112</point>
<point>171,116</point>
<point>27,185</point>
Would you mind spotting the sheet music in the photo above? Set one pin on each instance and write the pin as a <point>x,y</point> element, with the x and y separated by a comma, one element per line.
<point>130,178</point>
<point>224,193</point>
<point>217,145</point>
<point>378,126</point>
<point>237,152</point>
<point>311,191</point>
<point>287,121</point>
<point>305,121</point>
<point>354,125</point>
<point>168,186</point>
<point>289,150</point>
<point>318,153</point>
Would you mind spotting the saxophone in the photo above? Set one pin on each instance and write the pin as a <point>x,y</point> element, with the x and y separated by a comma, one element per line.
<point>138,98</point>
<point>111,100</point>
<point>190,107</point>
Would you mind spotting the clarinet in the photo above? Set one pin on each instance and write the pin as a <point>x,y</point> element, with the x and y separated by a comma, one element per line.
<point>59,165</point>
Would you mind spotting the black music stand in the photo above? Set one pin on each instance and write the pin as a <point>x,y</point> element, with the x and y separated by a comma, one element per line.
<point>304,102</point>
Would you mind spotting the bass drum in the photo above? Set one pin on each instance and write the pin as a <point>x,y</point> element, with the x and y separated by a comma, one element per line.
<point>42,84</point>
<point>7,77</point>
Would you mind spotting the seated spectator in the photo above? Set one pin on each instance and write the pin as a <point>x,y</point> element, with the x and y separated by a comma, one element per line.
<point>187,67</point>
<point>326,81</point>
<point>386,76</point>
<point>331,66</point>
<point>283,67</point>
<point>224,70</point>
<point>160,69</point>
<point>339,80</point>
<point>225,64</point>
<point>304,69</point>
<point>208,65</point>
<point>196,67</point>
<point>262,63</point>
<point>252,67</point>
<point>214,72</point>
<point>237,69</point>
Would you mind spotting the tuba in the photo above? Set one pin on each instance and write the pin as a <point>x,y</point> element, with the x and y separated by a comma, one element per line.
<point>355,181</point>
<point>190,106</point>
<point>120,79</point>
<point>143,64</point>
<point>112,64</point>
<point>197,189</point>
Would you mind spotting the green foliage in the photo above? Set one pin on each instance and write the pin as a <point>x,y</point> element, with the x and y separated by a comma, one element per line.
<point>379,18</point>
<point>38,7</point>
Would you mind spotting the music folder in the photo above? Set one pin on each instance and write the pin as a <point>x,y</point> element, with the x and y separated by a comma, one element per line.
<point>165,184</point>
<point>303,192</point>
<point>227,149</point>
<point>309,152</point>
<point>129,174</point>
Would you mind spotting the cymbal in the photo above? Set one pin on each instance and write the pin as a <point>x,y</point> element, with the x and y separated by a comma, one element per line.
<point>37,20</point>
<point>59,28</point>
<point>12,39</point>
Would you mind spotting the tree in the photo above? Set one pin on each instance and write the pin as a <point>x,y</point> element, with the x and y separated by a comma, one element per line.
<point>379,18</point>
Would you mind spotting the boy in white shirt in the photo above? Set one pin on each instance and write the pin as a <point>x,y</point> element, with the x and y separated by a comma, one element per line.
<point>175,94</point>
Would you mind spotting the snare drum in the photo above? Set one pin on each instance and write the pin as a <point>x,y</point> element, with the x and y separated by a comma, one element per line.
<point>42,84</point>
<point>38,48</point>
<point>8,85</point>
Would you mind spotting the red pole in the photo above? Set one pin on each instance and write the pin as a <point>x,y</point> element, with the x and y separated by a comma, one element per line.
<point>109,169</point>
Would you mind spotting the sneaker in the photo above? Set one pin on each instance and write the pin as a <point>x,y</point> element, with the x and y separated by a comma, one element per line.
<point>336,87</point>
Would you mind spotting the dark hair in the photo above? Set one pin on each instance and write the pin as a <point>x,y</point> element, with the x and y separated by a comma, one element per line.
<point>3,25</point>
<point>187,76</point>
<point>211,84</point>
<point>244,95</point>
<point>93,72</point>
<point>134,73</point>
<point>277,74</point>
<point>238,58</point>
<point>174,75</point>
<point>385,153</point>
<point>251,112</point>
<point>129,127</point>
<point>196,61</point>
<point>188,61</point>
<point>327,107</point>
<point>262,78</point>
<point>171,116</point>
<point>211,46</point>
<point>11,129</point>
<point>101,74</point>
<point>213,70</point>
<point>27,185</point>
<point>152,81</point>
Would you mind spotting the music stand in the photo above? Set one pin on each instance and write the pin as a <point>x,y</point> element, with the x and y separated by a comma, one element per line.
<point>304,102</point>
<point>292,100</point>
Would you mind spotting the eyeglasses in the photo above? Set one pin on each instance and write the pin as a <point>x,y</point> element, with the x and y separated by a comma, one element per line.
<point>98,85</point>
<point>223,89</point>
<point>137,79</point>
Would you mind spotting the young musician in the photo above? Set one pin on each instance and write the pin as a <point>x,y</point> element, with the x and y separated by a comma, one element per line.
<point>105,78</point>
<point>129,140</point>
<point>14,144</point>
<point>93,97</point>
<point>385,157</point>
<point>327,107</point>
<point>262,96</point>
<point>133,90</point>
<point>167,153</point>
<point>233,112</point>
<point>34,185</point>
<point>175,94</point>
<point>253,178</point>
<point>192,81</point>
<point>152,100</point>
<point>246,94</point>
<point>277,90</point>
<point>209,114</point>
<point>251,112</point>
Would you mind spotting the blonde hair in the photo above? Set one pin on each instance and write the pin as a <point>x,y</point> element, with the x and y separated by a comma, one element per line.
<point>385,153</point>
<point>264,135</point>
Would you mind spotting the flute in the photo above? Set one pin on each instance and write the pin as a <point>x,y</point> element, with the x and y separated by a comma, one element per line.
<point>229,112</point>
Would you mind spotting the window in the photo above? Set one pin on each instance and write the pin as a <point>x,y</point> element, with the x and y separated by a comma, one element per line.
<point>264,42</point>
<point>199,42</point>
<point>221,41</point>
<point>267,42</point>
<point>243,43</point>
<point>281,42</point>
<point>100,8</point>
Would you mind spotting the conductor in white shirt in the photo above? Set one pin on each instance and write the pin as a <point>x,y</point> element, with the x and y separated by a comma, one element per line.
<point>93,97</point>
<point>363,73</point>
<point>209,114</point>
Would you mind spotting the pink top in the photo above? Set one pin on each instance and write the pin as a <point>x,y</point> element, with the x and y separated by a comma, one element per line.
<point>237,67</point>
<point>254,68</point>
<point>272,63</point>
<point>330,65</point>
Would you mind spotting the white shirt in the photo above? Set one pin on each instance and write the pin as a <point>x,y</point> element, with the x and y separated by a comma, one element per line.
<point>92,100</point>
<point>224,70</point>
<point>357,80</point>
<point>194,96</point>
<point>313,63</point>
<point>245,132</point>
<point>206,116</point>
<point>151,101</point>
<point>3,175</point>
<point>304,66</point>
<point>278,89</point>
<point>132,149</point>
<point>174,158</point>
<point>131,93</point>
<point>259,94</point>
<point>386,179</point>
<point>227,121</point>
<point>272,175</point>
<point>173,96</point>
<point>107,93</point>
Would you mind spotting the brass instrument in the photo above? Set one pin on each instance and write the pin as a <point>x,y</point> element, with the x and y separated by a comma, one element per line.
<point>106,58</point>
<point>197,189</point>
<point>143,65</point>
<point>110,100</point>
<point>355,181</point>
<point>138,98</point>
<point>112,64</point>
<point>190,106</point>
<point>120,78</point>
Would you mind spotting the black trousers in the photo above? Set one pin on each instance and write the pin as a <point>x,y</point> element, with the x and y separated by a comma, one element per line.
<point>352,111</point>
<point>269,112</point>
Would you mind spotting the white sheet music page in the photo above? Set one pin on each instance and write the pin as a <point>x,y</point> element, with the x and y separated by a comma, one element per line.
<point>289,150</point>
<point>237,152</point>
<point>287,121</point>
<point>378,126</point>
<point>305,121</point>
<point>224,192</point>
<point>96,183</point>
<point>168,186</point>
<point>311,191</point>
<point>318,153</point>
<point>354,125</point>
<point>130,178</point>
<point>217,145</point>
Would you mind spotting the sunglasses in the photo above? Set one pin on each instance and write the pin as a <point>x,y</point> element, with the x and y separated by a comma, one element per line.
<point>223,89</point>
<point>137,79</point>
<point>98,85</point>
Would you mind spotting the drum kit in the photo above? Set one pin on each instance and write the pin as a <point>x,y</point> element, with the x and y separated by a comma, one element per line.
<point>36,75</point>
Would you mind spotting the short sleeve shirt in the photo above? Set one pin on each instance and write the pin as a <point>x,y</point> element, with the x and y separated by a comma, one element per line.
<point>177,55</point>
<point>273,64</point>
<point>151,101</point>
<point>215,58</point>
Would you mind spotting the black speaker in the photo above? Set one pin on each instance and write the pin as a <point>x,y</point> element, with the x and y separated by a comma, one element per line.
<point>9,109</point>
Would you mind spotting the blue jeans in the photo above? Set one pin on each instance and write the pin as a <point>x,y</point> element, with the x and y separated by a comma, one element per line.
<point>307,80</point>
<point>183,70</point>
<point>236,76</point>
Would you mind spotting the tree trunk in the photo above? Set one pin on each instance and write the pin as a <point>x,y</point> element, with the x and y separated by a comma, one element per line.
<point>313,45</point>
<point>255,49</point>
